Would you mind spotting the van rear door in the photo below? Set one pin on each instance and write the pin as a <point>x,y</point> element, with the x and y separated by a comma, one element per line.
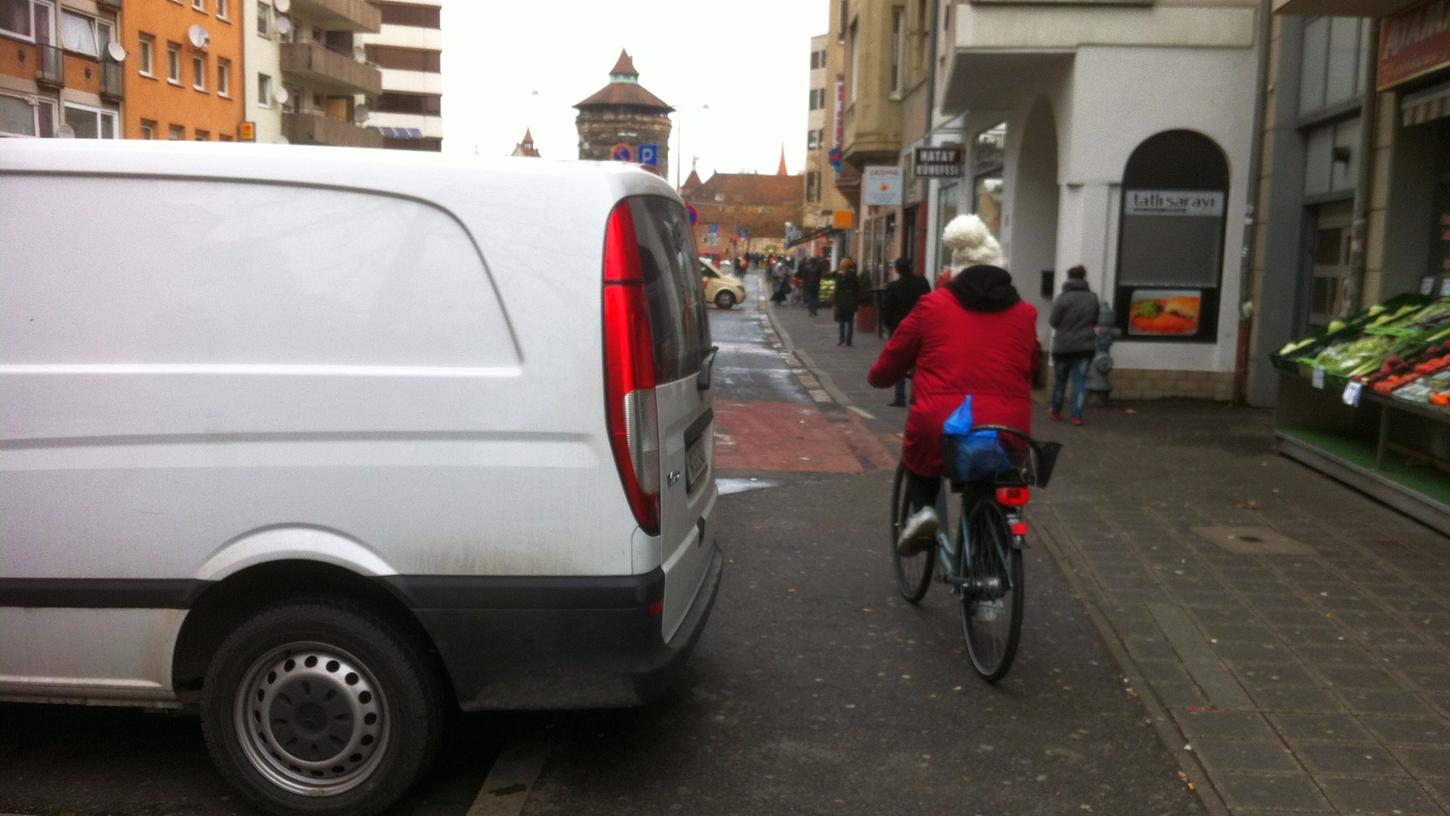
<point>680,331</point>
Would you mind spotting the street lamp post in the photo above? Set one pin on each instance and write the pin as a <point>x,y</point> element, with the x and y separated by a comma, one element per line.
<point>680,140</point>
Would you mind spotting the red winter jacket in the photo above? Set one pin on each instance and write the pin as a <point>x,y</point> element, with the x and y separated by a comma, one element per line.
<point>956,352</point>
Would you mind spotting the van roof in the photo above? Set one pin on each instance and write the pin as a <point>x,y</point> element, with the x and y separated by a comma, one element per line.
<point>392,171</point>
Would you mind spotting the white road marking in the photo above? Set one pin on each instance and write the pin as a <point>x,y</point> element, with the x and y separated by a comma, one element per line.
<point>861,412</point>
<point>513,775</point>
<point>819,395</point>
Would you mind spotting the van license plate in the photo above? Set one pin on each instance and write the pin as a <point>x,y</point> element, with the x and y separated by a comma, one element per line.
<point>696,464</point>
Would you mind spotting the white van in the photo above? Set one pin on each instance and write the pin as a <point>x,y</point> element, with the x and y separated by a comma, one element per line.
<point>321,441</point>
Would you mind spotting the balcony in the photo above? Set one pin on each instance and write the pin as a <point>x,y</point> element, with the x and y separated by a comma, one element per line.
<point>995,43</point>
<point>1343,8</point>
<point>111,80</point>
<point>314,128</point>
<point>50,67</point>
<point>326,70</point>
<point>113,5</point>
<point>339,15</point>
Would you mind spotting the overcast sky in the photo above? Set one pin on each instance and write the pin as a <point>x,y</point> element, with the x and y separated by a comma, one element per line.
<point>511,65</point>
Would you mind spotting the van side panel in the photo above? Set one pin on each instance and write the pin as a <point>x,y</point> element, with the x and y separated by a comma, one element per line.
<point>100,660</point>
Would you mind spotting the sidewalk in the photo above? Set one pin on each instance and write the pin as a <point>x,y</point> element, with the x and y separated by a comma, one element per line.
<point>1291,635</point>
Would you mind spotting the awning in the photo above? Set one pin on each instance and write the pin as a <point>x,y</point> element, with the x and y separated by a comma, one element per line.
<point>808,237</point>
<point>397,133</point>
<point>1426,106</point>
<point>1343,8</point>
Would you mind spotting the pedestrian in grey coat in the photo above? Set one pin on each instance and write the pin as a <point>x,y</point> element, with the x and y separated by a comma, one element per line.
<point>1073,318</point>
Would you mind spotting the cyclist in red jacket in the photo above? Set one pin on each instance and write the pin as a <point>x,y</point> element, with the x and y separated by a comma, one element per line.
<point>974,336</point>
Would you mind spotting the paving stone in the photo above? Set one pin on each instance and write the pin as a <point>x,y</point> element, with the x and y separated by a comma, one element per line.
<point>1422,658</point>
<point>1289,791</point>
<point>1428,680</point>
<point>1399,702</point>
<point>1246,653</point>
<point>1427,761</point>
<point>1163,671</point>
<point>1149,648</point>
<point>1245,755</point>
<point>1179,695</point>
<point>1302,615</point>
<point>1409,730</point>
<point>1295,698</point>
<point>1224,724</point>
<point>1355,676</point>
<point>1399,796</point>
<point>1358,758</point>
<point>1440,788</point>
<point>1346,655</point>
<point>1241,633</point>
<point>1314,635</point>
<point>1337,727</point>
<point>1288,673</point>
<point>1211,613</point>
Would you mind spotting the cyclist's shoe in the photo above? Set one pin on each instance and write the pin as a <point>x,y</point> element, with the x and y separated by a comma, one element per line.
<point>918,532</point>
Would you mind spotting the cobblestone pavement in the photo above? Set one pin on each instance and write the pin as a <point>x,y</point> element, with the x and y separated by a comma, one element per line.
<point>1292,636</point>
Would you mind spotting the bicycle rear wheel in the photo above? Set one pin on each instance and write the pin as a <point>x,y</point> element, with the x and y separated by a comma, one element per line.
<point>913,575</point>
<point>992,599</point>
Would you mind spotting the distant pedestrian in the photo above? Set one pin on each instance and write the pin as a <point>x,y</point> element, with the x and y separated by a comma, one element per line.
<point>780,272</point>
<point>1074,318</point>
<point>848,289</point>
<point>902,293</point>
<point>811,283</point>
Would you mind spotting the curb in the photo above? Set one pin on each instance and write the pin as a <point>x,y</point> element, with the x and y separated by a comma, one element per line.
<point>827,384</point>
<point>1168,734</point>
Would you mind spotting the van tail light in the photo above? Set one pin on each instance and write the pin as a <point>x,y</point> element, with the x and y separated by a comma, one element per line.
<point>1013,496</point>
<point>630,411</point>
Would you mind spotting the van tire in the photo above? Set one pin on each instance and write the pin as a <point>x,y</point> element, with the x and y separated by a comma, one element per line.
<point>724,299</point>
<point>363,685</point>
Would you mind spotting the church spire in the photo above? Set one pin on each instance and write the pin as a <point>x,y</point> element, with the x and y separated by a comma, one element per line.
<point>781,171</point>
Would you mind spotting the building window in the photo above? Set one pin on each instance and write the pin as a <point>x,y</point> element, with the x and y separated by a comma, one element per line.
<point>223,137</point>
<point>202,136</point>
<point>405,59</point>
<point>146,55</point>
<point>898,39</point>
<point>28,19</point>
<point>223,77</point>
<point>173,63</point>
<point>223,9</point>
<point>264,20</point>
<point>90,123</point>
<point>199,5</point>
<point>264,91</point>
<point>813,139</point>
<point>176,133</point>
<point>148,129</point>
<point>21,116</point>
<point>198,72</point>
<point>408,14</point>
<point>855,62</point>
<point>813,186</point>
<point>84,35</point>
<point>1332,62</point>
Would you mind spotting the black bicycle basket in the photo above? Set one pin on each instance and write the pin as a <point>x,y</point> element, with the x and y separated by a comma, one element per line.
<point>999,455</point>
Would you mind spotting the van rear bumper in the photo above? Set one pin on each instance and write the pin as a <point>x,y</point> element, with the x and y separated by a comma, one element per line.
<point>548,643</point>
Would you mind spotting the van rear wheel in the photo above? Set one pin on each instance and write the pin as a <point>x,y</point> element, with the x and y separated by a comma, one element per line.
<point>321,708</point>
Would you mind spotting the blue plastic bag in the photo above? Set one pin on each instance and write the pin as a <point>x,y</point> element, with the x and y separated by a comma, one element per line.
<point>971,456</point>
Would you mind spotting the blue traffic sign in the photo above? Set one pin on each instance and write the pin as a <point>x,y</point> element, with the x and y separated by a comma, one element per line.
<point>743,233</point>
<point>713,228</point>
<point>622,152</point>
<point>693,213</point>
<point>649,154</point>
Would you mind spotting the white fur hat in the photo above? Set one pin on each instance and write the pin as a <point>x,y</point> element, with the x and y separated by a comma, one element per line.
<point>971,243</point>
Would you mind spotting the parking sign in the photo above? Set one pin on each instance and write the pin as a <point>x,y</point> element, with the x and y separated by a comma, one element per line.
<point>649,154</point>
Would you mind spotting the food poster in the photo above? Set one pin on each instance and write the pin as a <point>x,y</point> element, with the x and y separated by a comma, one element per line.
<point>1164,312</point>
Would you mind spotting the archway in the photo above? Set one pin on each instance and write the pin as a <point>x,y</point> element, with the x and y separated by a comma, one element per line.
<point>1171,238</point>
<point>1035,210</point>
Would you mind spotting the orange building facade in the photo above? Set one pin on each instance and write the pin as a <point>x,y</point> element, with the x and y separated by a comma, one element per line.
<point>57,76</point>
<point>183,72</point>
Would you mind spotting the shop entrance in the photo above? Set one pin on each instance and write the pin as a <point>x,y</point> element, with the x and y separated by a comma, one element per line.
<point>1330,278</point>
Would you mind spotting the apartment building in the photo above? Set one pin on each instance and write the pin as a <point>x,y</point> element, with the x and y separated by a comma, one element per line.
<point>61,68</point>
<point>308,78</point>
<point>408,49</point>
<point>182,71</point>
<point>823,141</point>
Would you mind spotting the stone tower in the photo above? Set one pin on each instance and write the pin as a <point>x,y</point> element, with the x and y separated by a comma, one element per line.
<point>624,113</point>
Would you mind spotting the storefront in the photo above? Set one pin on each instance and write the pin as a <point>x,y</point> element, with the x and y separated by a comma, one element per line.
<point>1364,382</point>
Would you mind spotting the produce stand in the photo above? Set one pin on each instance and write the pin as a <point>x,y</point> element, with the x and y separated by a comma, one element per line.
<point>1368,403</point>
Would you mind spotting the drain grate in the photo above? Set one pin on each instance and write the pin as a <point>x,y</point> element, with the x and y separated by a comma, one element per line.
<point>1254,541</point>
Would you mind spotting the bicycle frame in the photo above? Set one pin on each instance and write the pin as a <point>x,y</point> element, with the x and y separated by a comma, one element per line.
<point>952,565</point>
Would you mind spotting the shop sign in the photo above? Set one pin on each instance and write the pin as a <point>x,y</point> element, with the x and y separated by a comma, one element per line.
<point>1182,203</point>
<point>1414,43</point>
<point>839,124</point>
<point>881,186</point>
<point>842,219</point>
<point>938,162</point>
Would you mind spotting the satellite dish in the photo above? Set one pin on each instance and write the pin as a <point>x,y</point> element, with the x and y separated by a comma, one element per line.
<point>65,132</point>
<point>282,5</point>
<point>360,114</point>
<point>198,36</point>
<point>281,96</point>
<point>116,52</point>
<point>280,140</point>
<point>360,54</point>
<point>284,25</point>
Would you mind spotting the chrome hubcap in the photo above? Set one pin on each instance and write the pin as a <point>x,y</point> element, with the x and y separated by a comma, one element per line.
<point>312,719</point>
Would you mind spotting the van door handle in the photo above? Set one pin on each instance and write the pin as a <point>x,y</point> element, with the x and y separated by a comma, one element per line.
<point>707,364</point>
<point>673,479</point>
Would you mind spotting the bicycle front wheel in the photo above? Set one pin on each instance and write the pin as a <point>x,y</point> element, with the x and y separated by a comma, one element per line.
<point>913,574</point>
<point>993,595</point>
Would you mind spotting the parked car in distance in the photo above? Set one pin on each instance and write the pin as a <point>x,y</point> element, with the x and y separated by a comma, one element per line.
<point>721,288</point>
<point>332,448</point>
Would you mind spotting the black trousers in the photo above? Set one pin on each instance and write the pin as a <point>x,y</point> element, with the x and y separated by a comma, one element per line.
<point>923,490</point>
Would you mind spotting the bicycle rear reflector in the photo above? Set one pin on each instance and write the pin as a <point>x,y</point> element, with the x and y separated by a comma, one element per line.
<point>1019,528</point>
<point>1013,496</point>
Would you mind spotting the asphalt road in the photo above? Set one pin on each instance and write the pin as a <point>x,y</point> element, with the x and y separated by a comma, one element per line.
<point>814,689</point>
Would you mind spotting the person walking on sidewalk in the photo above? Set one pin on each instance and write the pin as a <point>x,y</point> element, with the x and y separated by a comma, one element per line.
<point>848,289</point>
<point>975,336</point>
<point>902,293</point>
<point>1074,319</point>
<point>811,283</point>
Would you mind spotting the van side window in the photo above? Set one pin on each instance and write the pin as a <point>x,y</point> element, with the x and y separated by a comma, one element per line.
<point>677,317</point>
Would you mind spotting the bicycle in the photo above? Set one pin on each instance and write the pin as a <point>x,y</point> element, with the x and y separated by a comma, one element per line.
<point>982,561</point>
